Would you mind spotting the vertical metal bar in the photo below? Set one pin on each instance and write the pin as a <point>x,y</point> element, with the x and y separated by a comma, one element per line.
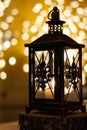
<point>29,76</point>
<point>80,65</point>
<point>57,75</point>
<point>62,76</point>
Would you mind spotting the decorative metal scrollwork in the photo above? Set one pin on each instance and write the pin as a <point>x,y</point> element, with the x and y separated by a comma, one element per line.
<point>43,73</point>
<point>73,74</point>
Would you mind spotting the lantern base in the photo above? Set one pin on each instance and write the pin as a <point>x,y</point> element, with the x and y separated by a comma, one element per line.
<point>74,121</point>
<point>55,110</point>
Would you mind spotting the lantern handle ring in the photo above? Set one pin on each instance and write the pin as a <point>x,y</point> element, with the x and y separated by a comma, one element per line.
<point>54,14</point>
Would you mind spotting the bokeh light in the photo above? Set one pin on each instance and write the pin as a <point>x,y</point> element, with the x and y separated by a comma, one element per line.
<point>12,60</point>
<point>2,63</point>
<point>3,75</point>
<point>26,67</point>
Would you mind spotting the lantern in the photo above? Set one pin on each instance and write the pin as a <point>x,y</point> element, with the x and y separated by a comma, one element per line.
<point>55,70</point>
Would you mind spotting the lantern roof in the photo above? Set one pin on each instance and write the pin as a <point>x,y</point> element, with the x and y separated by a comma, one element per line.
<point>55,37</point>
<point>55,40</point>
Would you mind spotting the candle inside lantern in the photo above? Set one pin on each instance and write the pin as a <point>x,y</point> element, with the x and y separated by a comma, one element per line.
<point>47,93</point>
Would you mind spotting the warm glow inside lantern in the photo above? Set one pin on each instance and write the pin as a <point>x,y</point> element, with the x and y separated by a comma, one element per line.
<point>55,70</point>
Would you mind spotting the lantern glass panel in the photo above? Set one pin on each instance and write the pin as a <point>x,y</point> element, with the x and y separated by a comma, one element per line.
<point>44,74</point>
<point>72,75</point>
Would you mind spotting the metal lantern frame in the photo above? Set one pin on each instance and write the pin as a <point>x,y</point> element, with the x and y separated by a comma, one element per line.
<point>49,61</point>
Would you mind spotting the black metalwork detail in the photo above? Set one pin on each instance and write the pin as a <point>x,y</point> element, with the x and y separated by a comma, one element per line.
<point>43,73</point>
<point>55,24</point>
<point>73,74</point>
